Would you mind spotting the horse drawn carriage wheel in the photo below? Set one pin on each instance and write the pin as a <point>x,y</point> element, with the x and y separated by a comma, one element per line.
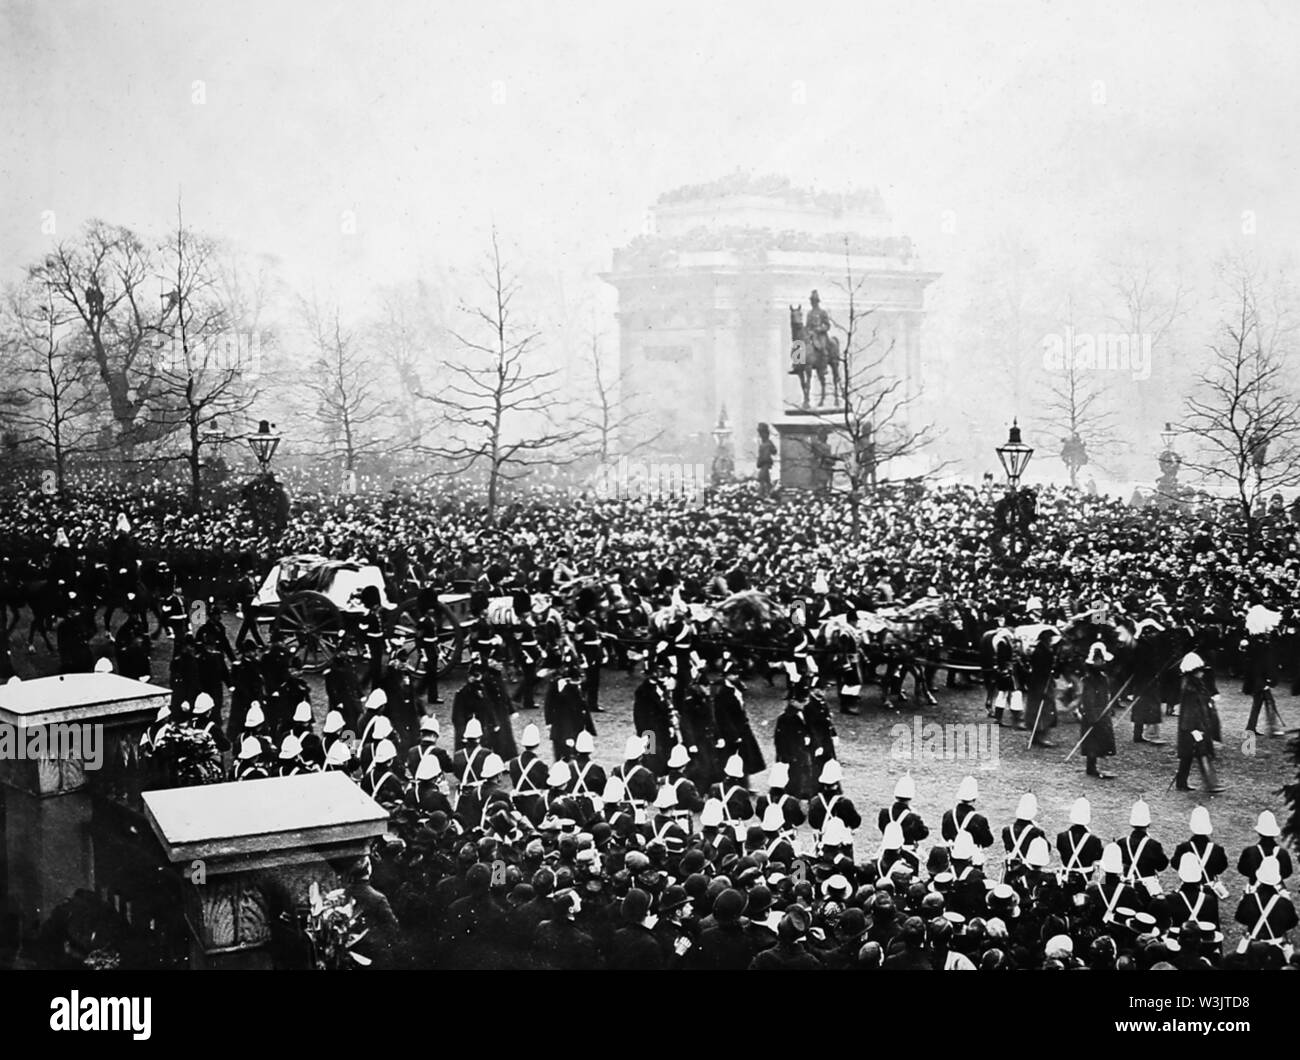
<point>312,627</point>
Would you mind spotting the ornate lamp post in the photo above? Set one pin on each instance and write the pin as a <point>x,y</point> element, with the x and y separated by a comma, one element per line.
<point>1014,455</point>
<point>263,442</point>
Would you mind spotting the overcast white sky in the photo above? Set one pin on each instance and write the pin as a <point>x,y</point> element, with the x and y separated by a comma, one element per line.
<point>387,109</point>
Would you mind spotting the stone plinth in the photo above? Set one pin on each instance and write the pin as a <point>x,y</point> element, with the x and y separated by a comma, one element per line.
<point>67,708</point>
<point>799,468</point>
<point>247,850</point>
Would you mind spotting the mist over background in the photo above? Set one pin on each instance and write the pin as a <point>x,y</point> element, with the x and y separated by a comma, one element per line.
<point>1036,153</point>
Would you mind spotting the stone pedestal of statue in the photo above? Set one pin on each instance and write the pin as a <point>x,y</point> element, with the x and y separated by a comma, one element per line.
<point>800,467</point>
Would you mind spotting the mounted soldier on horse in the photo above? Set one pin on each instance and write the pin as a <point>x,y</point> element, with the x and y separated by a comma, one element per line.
<point>813,348</point>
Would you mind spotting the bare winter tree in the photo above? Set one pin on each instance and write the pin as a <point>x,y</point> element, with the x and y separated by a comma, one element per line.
<point>406,334</point>
<point>497,405</point>
<point>1074,406</point>
<point>201,372</point>
<point>1243,419</point>
<point>349,407</point>
<point>105,279</point>
<point>608,417</point>
<point>50,396</point>
<point>875,416</point>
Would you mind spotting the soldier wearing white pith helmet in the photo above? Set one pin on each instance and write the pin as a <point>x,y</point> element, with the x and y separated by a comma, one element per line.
<point>250,764</point>
<point>638,777</point>
<point>965,818</point>
<point>791,809</point>
<point>255,726</point>
<point>429,789</point>
<point>686,795</point>
<point>1144,857</point>
<point>588,776</point>
<point>1266,911</point>
<point>717,840</point>
<point>467,763</point>
<point>1112,892</point>
<point>737,802</point>
<point>1079,849</point>
<point>901,813</point>
<point>968,890</point>
<point>291,762</point>
<point>670,818</point>
<point>830,800</point>
<point>380,780</point>
<point>381,730</point>
<point>1212,858</point>
<point>372,710</point>
<point>476,810</point>
<point>1193,900</point>
<point>205,722</point>
<point>332,731</point>
<point>430,732</point>
<point>338,759</point>
<point>1267,847</point>
<point>890,854</point>
<point>1017,836</point>
<point>528,777</point>
<point>778,836</point>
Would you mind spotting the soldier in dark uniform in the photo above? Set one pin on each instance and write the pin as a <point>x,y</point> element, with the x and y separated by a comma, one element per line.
<point>1112,892</point>
<point>1197,725</point>
<point>588,780</point>
<point>1017,836</point>
<point>902,814</point>
<point>1266,912</point>
<point>342,689</point>
<point>73,638</point>
<point>131,643</point>
<point>245,686</point>
<point>429,629</point>
<point>1147,666</point>
<point>251,763</point>
<point>733,722</point>
<point>370,627</point>
<point>471,703</point>
<point>1039,713</point>
<point>1079,849</point>
<point>830,800</point>
<point>639,780</point>
<point>654,716</point>
<point>1267,847</point>
<point>965,818</point>
<point>205,722</point>
<point>793,747</point>
<point>1212,858</point>
<point>567,711</point>
<point>592,646</point>
<point>214,655</point>
<point>699,734</point>
<point>528,778</point>
<point>791,809</point>
<point>1097,731</point>
<point>529,652</point>
<point>1143,856</point>
<point>175,616</point>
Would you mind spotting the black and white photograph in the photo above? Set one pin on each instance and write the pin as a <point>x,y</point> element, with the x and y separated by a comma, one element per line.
<point>580,487</point>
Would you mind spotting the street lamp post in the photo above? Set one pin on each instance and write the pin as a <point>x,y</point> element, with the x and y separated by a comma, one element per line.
<point>1014,455</point>
<point>263,442</point>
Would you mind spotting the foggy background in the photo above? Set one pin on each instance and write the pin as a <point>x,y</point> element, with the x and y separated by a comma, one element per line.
<point>1038,154</point>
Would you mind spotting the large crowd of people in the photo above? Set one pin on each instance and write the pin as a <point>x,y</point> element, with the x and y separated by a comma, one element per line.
<point>677,856</point>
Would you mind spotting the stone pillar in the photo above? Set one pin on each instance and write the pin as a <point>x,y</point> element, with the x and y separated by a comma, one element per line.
<point>235,845</point>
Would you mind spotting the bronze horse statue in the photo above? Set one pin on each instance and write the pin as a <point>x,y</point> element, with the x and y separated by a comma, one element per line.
<point>809,355</point>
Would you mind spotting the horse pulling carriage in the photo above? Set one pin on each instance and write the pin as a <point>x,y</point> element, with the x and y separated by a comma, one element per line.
<point>315,604</point>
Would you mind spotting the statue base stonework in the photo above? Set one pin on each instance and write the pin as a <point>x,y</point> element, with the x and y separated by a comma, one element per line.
<point>800,467</point>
